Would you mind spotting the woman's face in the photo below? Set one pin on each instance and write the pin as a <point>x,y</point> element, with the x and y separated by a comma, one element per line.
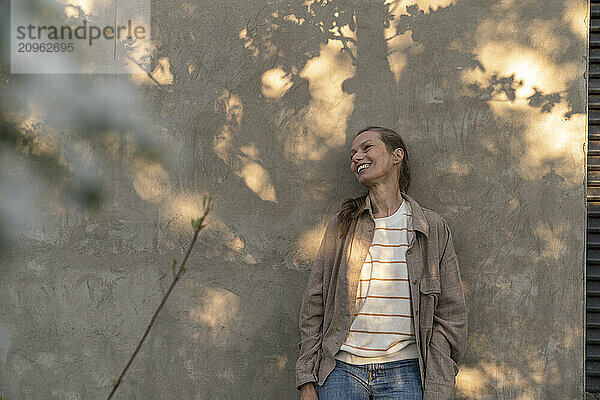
<point>371,162</point>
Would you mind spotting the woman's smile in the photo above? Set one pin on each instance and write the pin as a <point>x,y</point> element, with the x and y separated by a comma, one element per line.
<point>362,167</point>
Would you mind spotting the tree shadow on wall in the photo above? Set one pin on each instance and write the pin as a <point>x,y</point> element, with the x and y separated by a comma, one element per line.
<point>438,78</point>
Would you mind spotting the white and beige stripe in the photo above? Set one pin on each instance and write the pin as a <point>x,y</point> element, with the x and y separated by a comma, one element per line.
<point>383,325</point>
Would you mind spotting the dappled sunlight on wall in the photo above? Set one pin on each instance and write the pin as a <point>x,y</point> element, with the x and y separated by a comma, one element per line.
<point>486,377</point>
<point>554,237</point>
<point>257,179</point>
<point>522,80</point>
<point>428,5</point>
<point>234,246</point>
<point>576,13</point>
<point>557,139</point>
<point>182,208</point>
<point>553,142</point>
<point>45,142</point>
<point>244,160</point>
<point>140,55</point>
<point>526,63</point>
<point>222,143</point>
<point>74,8</point>
<point>258,110</point>
<point>306,247</point>
<point>162,72</point>
<point>275,365</point>
<point>329,108</point>
<point>470,382</point>
<point>281,361</point>
<point>324,56</point>
<point>459,168</point>
<point>399,44</point>
<point>243,35</point>
<point>275,83</point>
<point>151,181</point>
<point>218,311</point>
<point>231,106</point>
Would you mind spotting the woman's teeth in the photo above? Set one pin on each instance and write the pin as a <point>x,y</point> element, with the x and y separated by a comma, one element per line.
<point>364,166</point>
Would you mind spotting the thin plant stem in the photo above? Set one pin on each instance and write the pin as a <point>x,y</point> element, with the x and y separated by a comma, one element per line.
<point>187,254</point>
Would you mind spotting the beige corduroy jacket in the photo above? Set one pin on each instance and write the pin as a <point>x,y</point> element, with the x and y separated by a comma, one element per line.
<point>438,301</point>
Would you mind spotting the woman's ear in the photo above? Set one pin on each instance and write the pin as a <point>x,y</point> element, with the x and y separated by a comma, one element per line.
<point>398,155</point>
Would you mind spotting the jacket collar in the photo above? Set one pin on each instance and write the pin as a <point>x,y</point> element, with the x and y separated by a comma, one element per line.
<point>418,217</point>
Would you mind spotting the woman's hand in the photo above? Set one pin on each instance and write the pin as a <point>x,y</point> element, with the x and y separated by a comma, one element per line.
<point>308,392</point>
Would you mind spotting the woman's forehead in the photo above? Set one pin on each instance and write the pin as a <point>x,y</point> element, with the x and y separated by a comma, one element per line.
<point>365,136</point>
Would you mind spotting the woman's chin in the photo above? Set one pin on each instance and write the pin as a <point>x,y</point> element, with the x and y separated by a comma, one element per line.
<point>363,180</point>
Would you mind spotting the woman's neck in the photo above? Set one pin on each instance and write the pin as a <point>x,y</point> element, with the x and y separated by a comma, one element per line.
<point>385,201</point>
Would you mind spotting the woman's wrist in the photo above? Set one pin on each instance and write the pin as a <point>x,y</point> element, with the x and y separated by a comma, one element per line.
<point>307,386</point>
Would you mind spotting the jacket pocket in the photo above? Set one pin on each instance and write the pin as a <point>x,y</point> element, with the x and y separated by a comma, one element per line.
<point>430,285</point>
<point>440,366</point>
<point>440,372</point>
<point>430,291</point>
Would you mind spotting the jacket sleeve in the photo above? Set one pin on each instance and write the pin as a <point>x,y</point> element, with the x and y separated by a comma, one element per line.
<point>449,333</point>
<point>311,310</point>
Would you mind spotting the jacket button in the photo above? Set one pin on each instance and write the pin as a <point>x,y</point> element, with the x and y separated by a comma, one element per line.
<point>409,251</point>
<point>414,281</point>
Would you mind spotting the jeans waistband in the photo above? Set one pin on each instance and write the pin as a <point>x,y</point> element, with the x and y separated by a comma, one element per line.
<point>380,366</point>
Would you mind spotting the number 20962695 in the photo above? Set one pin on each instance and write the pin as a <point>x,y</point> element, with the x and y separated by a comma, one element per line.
<point>45,47</point>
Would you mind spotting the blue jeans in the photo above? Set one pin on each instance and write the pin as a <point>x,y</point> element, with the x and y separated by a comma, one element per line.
<point>395,380</point>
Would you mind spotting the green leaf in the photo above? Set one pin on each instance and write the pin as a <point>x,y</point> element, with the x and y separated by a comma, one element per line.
<point>197,223</point>
<point>206,205</point>
<point>173,264</point>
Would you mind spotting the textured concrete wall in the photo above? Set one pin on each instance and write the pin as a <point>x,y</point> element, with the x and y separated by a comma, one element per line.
<point>257,103</point>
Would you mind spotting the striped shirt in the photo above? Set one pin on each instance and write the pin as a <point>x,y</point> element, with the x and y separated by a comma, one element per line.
<point>383,329</point>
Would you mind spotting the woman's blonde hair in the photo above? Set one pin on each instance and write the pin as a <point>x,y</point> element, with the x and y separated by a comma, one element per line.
<point>351,207</point>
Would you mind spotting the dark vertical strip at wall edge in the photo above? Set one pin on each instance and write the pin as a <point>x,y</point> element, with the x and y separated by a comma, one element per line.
<point>591,335</point>
<point>585,149</point>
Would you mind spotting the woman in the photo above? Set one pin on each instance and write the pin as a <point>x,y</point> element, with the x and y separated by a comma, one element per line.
<point>383,315</point>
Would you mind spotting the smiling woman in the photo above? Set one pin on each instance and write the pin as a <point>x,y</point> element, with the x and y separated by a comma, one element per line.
<point>385,150</point>
<point>385,268</point>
